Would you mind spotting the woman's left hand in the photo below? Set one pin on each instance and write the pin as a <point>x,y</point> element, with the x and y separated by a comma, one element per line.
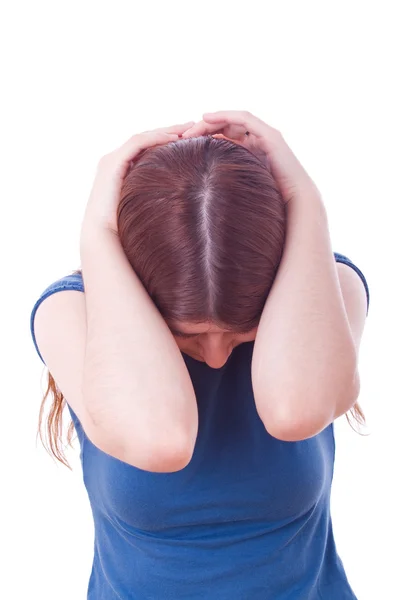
<point>247,130</point>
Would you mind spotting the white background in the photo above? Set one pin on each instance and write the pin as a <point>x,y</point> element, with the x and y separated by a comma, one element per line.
<point>81,77</point>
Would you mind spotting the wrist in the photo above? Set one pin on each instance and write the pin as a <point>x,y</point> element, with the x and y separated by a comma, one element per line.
<point>309,200</point>
<point>92,233</point>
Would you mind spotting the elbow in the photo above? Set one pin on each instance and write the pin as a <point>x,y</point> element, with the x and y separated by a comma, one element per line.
<point>293,423</point>
<point>290,430</point>
<point>166,458</point>
<point>304,418</point>
<point>158,456</point>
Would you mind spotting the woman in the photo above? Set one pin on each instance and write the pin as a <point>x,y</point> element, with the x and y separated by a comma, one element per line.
<point>215,343</point>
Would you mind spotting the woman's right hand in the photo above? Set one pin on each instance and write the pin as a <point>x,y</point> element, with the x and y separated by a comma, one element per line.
<point>101,209</point>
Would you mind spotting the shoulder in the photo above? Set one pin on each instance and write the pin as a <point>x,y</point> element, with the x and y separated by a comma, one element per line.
<point>70,282</point>
<point>352,278</point>
<point>355,293</point>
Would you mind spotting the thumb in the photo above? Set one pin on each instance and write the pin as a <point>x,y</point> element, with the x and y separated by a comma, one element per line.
<point>236,132</point>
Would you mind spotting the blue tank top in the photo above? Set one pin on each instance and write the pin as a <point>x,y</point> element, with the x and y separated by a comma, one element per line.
<point>247,519</point>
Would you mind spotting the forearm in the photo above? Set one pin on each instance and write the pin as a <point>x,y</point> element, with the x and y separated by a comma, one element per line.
<point>136,387</point>
<point>304,360</point>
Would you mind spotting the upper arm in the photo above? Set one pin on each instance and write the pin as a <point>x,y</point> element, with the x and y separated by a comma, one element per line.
<point>58,327</point>
<point>355,292</point>
<point>59,330</point>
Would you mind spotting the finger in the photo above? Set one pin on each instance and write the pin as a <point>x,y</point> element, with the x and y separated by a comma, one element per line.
<point>239,118</point>
<point>235,132</point>
<point>201,128</point>
<point>153,138</point>
<point>177,128</point>
<point>144,140</point>
<point>221,136</point>
<point>171,129</point>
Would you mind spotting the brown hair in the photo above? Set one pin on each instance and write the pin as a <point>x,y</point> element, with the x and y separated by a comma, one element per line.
<point>203,225</point>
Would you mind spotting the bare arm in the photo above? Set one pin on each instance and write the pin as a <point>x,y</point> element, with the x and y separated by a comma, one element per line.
<point>304,367</point>
<point>135,387</point>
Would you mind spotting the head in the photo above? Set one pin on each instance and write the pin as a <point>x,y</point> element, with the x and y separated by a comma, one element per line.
<point>202,223</point>
<point>208,342</point>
